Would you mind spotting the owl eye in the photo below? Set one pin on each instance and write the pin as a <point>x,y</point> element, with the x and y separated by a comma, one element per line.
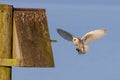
<point>74,39</point>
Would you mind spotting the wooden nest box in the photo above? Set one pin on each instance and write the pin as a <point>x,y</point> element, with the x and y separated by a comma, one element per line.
<point>31,39</point>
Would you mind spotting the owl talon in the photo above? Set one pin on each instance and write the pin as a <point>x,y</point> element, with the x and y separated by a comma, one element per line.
<point>78,50</point>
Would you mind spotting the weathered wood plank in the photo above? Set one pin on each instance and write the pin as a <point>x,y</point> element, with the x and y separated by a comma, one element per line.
<point>5,39</point>
<point>9,62</point>
<point>31,42</point>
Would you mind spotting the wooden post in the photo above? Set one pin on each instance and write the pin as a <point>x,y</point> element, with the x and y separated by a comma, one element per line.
<point>5,39</point>
<point>26,36</point>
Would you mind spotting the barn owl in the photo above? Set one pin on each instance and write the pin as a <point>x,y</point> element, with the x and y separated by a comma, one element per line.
<point>81,43</point>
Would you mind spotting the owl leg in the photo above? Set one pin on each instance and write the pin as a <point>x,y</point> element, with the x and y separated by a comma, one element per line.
<point>78,50</point>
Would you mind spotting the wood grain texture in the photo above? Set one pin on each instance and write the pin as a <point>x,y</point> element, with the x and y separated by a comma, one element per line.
<point>31,42</point>
<point>9,62</point>
<point>5,39</point>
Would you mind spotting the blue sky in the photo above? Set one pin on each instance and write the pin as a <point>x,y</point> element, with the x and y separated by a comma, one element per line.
<point>102,62</point>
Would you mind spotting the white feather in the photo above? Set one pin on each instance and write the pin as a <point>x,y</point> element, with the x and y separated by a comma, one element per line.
<point>93,35</point>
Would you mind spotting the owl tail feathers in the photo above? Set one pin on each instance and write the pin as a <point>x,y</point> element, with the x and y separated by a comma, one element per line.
<point>86,48</point>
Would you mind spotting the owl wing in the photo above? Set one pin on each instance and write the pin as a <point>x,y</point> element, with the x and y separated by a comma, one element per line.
<point>93,35</point>
<point>66,35</point>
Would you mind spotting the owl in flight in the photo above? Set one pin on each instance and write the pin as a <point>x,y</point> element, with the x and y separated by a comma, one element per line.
<point>81,43</point>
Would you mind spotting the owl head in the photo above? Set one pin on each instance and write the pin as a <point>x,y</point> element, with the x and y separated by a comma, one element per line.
<point>76,41</point>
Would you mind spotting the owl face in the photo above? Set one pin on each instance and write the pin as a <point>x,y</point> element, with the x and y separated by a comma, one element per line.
<point>75,41</point>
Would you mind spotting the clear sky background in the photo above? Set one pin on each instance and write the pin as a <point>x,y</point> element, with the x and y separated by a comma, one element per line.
<point>102,62</point>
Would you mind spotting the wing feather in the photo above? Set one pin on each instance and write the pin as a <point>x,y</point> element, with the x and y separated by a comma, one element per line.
<point>66,35</point>
<point>93,35</point>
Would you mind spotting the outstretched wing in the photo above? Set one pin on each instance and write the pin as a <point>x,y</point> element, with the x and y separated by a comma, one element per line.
<point>66,35</point>
<point>93,35</point>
